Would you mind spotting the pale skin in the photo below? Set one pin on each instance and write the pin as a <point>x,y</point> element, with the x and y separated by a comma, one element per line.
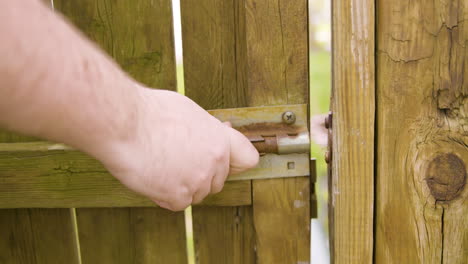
<point>57,85</point>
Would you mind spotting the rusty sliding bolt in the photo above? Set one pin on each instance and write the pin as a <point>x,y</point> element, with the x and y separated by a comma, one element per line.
<point>278,138</point>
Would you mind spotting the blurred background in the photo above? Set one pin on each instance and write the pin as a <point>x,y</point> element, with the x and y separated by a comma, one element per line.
<point>320,87</point>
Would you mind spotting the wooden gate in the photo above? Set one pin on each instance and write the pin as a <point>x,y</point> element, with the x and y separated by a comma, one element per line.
<point>236,54</point>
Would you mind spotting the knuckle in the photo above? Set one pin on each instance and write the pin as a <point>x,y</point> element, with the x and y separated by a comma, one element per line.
<point>216,188</point>
<point>183,193</point>
<point>252,162</point>
<point>164,191</point>
<point>178,207</point>
<point>201,180</point>
<point>179,203</point>
<point>200,197</point>
<point>219,155</point>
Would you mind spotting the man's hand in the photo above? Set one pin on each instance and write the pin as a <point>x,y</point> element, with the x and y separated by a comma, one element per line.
<point>178,153</point>
<point>62,88</point>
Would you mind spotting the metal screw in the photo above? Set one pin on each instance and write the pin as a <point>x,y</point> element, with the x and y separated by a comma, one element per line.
<point>289,117</point>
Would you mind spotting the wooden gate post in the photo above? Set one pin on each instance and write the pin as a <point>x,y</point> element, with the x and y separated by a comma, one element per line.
<point>351,194</point>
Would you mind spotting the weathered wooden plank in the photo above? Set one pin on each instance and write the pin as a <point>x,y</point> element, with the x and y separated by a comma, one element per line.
<point>277,52</point>
<point>252,53</point>
<point>353,105</point>
<point>227,227</point>
<point>422,153</point>
<point>214,71</point>
<point>45,175</point>
<point>277,59</point>
<point>236,193</point>
<point>282,220</point>
<point>37,236</point>
<point>139,36</point>
<point>151,232</point>
<point>213,34</point>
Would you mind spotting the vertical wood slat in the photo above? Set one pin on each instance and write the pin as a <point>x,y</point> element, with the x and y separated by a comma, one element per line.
<point>228,229</point>
<point>282,220</point>
<point>251,53</point>
<point>277,59</point>
<point>36,235</point>
<point>139,36</point>
<point>214,46</point>
<point>277,52</point>
<point>353,105</point>
<point>131,235</point>
<point>422,93</point>
<point>213,37</point>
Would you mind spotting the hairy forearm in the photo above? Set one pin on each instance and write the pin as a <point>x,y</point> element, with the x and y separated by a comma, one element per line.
<point>56,85</point>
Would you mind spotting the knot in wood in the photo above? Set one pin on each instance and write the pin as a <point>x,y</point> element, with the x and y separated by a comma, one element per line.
<point>446,177</point>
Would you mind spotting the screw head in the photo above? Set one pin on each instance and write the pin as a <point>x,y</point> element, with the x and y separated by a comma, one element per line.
<point>289,117</point>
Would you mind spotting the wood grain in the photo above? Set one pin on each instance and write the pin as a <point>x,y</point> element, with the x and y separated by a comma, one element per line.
<point>139,36</point>
<point>229,227</point>
<point>214,49</point>
<point>251,53</point>
<point>37,236</point>
<point>422,129</point>
<point>282,220</point>
<point>150,233</point>
<point>65,178</point>
<point>214,70</point>
<point>353,105</point>
<point>47,175</point>
<point>277,59</point>
<point>277,52</point>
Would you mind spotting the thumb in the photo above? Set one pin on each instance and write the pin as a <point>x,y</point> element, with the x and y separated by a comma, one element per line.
<point>243,154</point>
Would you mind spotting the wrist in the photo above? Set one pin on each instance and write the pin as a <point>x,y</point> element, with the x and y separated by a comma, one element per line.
<point>119,130</point>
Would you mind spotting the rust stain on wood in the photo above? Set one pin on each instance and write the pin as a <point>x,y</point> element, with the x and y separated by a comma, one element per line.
<point>446,177</point>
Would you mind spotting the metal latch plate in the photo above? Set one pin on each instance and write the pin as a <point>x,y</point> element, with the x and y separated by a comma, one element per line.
<point>284,145</point>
